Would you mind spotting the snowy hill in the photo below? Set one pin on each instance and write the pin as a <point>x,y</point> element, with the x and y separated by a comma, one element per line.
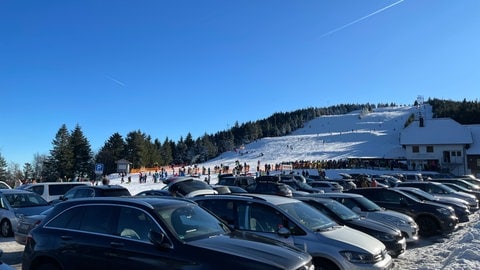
<point>357,134</point>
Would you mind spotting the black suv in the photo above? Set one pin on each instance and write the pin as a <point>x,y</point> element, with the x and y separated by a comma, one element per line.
<point>93,191</point>
<point>431,217</point>
<point>149,233</point>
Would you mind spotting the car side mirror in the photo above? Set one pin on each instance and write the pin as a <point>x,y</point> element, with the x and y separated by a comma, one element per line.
<point>284,232</point>
<point>159,240</point>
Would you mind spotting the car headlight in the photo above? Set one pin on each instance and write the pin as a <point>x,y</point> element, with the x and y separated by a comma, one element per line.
<point>444,211</point>
<point>383,236</point>
<point>357,257</point>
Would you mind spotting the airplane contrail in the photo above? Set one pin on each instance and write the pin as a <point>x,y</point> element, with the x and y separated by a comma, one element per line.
<point>115,81</point>
<point>361,19</point>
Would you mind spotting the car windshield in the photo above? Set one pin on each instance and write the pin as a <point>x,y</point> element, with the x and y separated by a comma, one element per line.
<point>341,210</point>
<point>447,189</point>
<point>308,216</point>
<point>19,200</point>
<point>368,205</point>
<point>423,195</point>
<point>190,222</point>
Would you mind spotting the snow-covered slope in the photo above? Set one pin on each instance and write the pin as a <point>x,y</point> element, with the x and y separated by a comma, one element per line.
<point>357,134</point>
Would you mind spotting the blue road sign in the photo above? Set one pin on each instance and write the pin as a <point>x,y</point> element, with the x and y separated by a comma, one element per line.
<point>99,168</point>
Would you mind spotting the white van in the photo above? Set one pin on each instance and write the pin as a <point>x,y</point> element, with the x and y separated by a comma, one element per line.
<point>52,190</point>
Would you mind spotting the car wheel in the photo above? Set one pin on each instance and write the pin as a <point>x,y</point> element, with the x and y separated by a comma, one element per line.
<point>427,226</point>
<point>6,228</point>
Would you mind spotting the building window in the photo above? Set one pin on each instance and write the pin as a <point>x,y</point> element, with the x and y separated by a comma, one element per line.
<point>415,149</point>
<point>459,154</point>
<point>429,148</point>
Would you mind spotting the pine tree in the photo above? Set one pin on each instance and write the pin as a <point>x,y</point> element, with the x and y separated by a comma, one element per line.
<point>113,150</point>
<point>3,169</point>
<point>61,155</point>
<point>82,154</point>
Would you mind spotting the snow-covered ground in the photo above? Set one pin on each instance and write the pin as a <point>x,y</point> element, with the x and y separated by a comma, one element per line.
<point>334,137</point>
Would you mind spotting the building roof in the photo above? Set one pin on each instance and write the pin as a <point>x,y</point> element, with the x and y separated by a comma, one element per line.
<point>436,131</point>
<point>474,148</point>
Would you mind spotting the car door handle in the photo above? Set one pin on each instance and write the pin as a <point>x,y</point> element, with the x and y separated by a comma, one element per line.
<point>117,244</point>
<point>66,238</point>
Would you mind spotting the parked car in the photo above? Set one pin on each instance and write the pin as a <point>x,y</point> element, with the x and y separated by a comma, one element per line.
<point>269,185</point>
<point>240,181</point>
<point>299,186</point>
<point>93,191</point>
<point>441,190</point>
<point>461,182</point>
<point>432,218</point>
<point>463,189</point>
<point>15,203</point>
<point>149,233</point>
<point>391,237</point>
<point>412,177</point>
<point>346,183</point>
<point>327,186</point>
<point>332,246</point>
<point>295,176</point>
<point>52,190</point>
<point>26,224</point>
<point>368,209</point>
<point>386,180</point>
<point>188,187</point>
<point>462,210</point>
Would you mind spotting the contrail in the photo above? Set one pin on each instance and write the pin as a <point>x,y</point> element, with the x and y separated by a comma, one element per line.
<point>361,19</point>
<point>116,81</point>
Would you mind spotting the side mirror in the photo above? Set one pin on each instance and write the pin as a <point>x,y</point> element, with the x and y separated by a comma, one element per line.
<point>159,240</point>
<point>284,232</point>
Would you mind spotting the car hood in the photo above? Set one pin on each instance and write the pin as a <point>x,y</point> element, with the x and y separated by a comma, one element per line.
<point>371,226</point>
<point>383,216</point>
<point>354,238</point>
<point>451,200</point>
<point>254,247</point>
<point>29,211</point>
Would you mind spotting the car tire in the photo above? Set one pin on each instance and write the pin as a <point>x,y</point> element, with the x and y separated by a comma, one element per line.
<point>6,228</point>
<point>427,225</point>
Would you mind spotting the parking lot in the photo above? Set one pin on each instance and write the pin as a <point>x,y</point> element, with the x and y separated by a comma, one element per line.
<point>12,252</point>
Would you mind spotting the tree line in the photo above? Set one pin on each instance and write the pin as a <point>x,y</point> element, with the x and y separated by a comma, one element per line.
<point>71,157</point>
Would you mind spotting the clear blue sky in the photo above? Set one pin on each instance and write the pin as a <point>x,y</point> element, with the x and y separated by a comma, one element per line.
<point>168,68</point>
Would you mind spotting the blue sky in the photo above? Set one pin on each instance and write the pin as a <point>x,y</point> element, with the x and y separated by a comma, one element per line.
<point>168,68</point>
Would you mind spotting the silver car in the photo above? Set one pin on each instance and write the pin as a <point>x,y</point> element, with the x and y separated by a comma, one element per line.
<point>368,209</point>
<point>15,203</point>
<point>332,246</point>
